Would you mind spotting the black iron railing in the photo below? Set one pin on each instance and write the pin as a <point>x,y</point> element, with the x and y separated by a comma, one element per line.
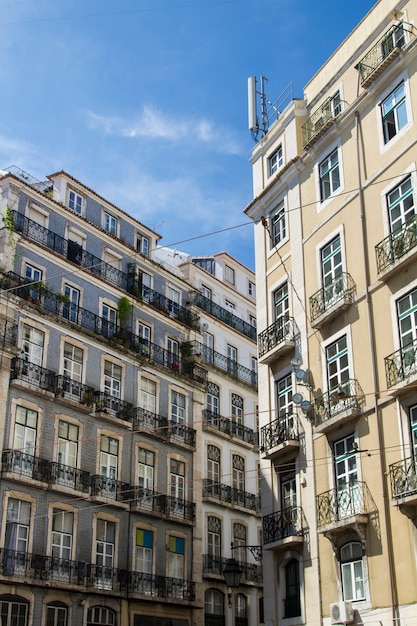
<point>320,120</point>
<point>401,364</point>
<point>71,477</point>
<point>281,430</point>
<point>25,465</point>
<point>161,586</point>
<point>288,522</point>
<point>347,396</point>
<point>110,488</point>
<point>33,374</point>
<point>70,389</point>
<point>108,404</point>
<point>154,502</point>
<point>340,289</point>
<point>42,567</point>
<point>392,41</point>
<point>403,477</point>
<point>251,572</point>
<point>224,315</point>
<point>72,251</point>
<point>278,332</point>
<point>396,245</point>
<point>149,422</point>
<point>230,495</point>
<point>8,332</point>
<point>342,503</point>
<point>222,362</point>
<point>229,427</point>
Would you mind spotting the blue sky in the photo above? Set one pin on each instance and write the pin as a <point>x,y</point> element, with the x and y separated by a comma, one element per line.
<point>145,101</point>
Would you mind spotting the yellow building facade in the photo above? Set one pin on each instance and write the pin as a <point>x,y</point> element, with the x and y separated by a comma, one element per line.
<point>336,248</point>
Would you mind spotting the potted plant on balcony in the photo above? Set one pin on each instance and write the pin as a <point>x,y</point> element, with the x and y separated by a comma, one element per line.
<point>124,314</point>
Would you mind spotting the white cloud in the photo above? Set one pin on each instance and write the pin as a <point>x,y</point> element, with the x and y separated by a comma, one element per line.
<point>152,123</point>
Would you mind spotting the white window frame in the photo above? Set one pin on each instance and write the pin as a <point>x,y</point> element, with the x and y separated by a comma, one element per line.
<point>383,147</point>
<point>110,223</point>
<point>75,202</point>
<point>275,161</point>
<point>279,226</point>
<point>331,169</point>
<point>229,275</point>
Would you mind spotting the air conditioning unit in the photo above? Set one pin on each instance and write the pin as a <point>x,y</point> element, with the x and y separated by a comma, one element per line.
<point>341,613</point>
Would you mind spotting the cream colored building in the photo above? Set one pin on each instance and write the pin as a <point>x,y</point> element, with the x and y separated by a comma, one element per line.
<point>336,248</point>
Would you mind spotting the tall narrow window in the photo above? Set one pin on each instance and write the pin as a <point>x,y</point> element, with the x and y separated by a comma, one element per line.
<point>173,302</point>
<point>329,173</point>
<point>237,409</point>
<point>177,407</point>
<point>407,322</point>
<point>146,473</point>
<point>275,161</point>
<point>33,275</point>
<point>24,441</point>
<point>110,224</point>
<point>67,449</point>
<point>229,275</point>
<point>337,358</point>
<point>108,320</point>
<point>61,544</point>
<point>278,224</point>
<point>112,379</point>
<point>214,607</point>
<point>352,571</point>
<point>292,605</point>
<point>176,552</point>
<point>232,364</point>
<point>394,112</point>
<point>213,465</point>
<point>144,334</point>
<point>413,424</point>
<point>173,350</point>
<point>177,479</point>
<point>144,551</point>
<point>72,371</point>
<point>70,307</point>
<point>16,538</point>
<point>109,457</point>
<point>239,542</point>
<point>105,544</point>
<point>32,349</point>
<point>75,202</point>
<point>208,347</point>
<point>331,269</point>
<point>400,205</point>
<point>238,472</point>
<point>148,394</point>
<point>281,305</point>
<point>346,473</point>
<point>284,397</point>
<point>145,281</point>
<point>213,399</point>
<point>241,609</point>
<point>214,536</point>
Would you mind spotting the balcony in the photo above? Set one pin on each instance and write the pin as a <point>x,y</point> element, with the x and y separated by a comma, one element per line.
<point>225,494</point>
<point>223,363</point>
<point>277,340</point>
<point>106,404</point>
<point>281,435</point>
<point>397,250</point>
<point>69,477</point>
<point>283,528</point>
<point>161,505</point>
<point>228,427</point>
<point>72,391</point>
<point>382,54</point>
<point>26,466</point>
<point>73,252</point>
<point>8,333</point>
<point>320,121</point>
<point>31,374</point>
<point>251,572</point>
<point>158,587</point>
<point>328,302</point>
<point>163,428</point>
<point>224,315</point>
<point>110,489</point>
<point>401,368</point>
<point>346,507</point>
<point>26,566</point>
<point>339,405</point>
<point>403,478</point>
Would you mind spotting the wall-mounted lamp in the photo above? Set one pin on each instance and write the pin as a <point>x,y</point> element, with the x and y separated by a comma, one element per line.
<point>232,574</point>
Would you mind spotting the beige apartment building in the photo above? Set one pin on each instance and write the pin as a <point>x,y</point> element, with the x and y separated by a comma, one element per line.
<point>336,248</point>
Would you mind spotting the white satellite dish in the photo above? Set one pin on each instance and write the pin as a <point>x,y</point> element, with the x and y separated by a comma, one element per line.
<point>204,327</point>
<point>296,361</point>
<point>297,398</point>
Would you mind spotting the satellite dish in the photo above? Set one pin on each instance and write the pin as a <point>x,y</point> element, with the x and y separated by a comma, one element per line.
<point>301,375</point>
<point>296,361</point>
<point>306,406</point>
<point>297,398</point>
<point>204,327</point>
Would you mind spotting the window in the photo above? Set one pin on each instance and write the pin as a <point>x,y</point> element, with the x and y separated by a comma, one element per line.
<point>241,609</point>
<point>208,347</point>
<point>207,264</point>
<point>101,616</point>
<point>73,362</point>
<point>144,334</point>
<point>332,271</point>
<point>251,289</point>
<point>146,471</point>
<point>144,546</point>
<point>206,292</point>
<point>13,611</point>
<point>105,544</point>
<point>281,305</point>
<point>177,407</point>
<point>142,245</point>
<point>16,538</point>
<point>284,400</point>
<point>24,441</point>
<point>239,542</point>
<point>346,475</point>
<point>173,349</point>
<point>173,302</point>
<point>67,444</point>
<point>214,536</point>
<point>275,161</point>
<point>229,275</point>
<point>336,104</point>
<point>75,247</point>
<point>278,224</point>
<point>394,113</point>
<point>148,394</point>
<point>213,465</point>
<point>214,607</point>
<point>288,490</point>
<point>329,174</point>
<point>108,320</point>
<point>75,202</point>
<point>70,307</point>
<point>145,281</point>
<point>252,321</point>
<point>413,425</point>
<point>110,224</point>
<point>238,472</point>
<point>61,544</point>
<point>352,571</point>
<point>213,398</point>
<point>56,614</point>
<point>112,379</point>
<point>237,409</point>
<point>33,275</point>
<point>337,359</point>
<point>232,360</point>
<point>400,204</point>
<point>109,456</point>
<point>177,479</point>
<point>407,323</point>
<point>292,604</point>
<point>176,550</point>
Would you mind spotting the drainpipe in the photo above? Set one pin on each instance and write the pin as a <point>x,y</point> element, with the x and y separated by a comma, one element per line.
<point>381,440</point>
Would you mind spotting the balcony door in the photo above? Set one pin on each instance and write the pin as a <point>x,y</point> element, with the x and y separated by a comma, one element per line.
<point>289,501</point>
<point>348,493</point>
<point>146,475</point>
<point>105,544</point>
<point>24,441</point>
<point>331,271</point>
<point>67,453</point>
<point>62,530</point>
<point>407,323</point>
<point>16,537</point>
<point>70,308</point>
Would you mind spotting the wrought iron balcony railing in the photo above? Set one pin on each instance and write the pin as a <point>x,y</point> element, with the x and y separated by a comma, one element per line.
<point>320,120</point>
<point>25,465</point>
<point>160,586</point>
<point>170,506</point>
<point>288,522</point>
<point>8,332</point>
<point>396,245</point>
<point>381,54</point>
<point>230,495</point>
<point>347,396</point>
<point>106,403</point>
<point>342,503</point>
<point>342,288</point>
<point>278,332</point>
<point>106,578</point>
<point>229,427</point>
<point>233,368</point>
<point>70,389</point>
<point>72,251</point>
<point>40,567</point>
<point>110,488</point>
<point>224,315</point>
<point>401,364</point>
<point>163,428</point>
<point>33,374</point>
<point>280,431</point>
<point>70,477</point>
<point>403,477</point>
<point>251,572</point>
